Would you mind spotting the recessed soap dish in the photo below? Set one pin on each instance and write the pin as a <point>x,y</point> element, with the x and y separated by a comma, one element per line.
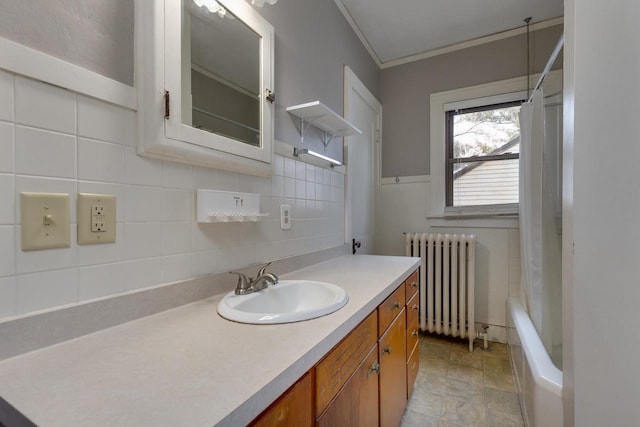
<point>227,206</point>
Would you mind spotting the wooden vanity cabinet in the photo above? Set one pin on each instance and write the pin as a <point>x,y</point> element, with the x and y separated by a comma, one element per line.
<point>365,380</point>
<point>294,408</point>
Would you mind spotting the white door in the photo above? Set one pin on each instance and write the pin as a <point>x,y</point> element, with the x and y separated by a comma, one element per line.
<point>362,159</point>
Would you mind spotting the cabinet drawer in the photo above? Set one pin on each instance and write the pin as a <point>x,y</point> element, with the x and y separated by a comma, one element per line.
<point>412,285</point>
<point>412,324</point>
<point>292,409</point>
<point>357,403</point>
<point>389,309</point>
<point>336,368</point>
<point>412,369</point>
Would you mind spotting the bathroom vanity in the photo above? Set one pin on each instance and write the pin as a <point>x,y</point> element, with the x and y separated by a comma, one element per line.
<point>189,366</point>
<point>364,380</point>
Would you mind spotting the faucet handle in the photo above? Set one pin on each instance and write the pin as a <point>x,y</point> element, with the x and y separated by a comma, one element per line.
<point>264,269</point>
<point>243,282</point>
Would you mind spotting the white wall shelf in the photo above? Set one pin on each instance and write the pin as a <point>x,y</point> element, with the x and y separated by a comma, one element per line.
<point>227,206</point>
<point>317,114</point>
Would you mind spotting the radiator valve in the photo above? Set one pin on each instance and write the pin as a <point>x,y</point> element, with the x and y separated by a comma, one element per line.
<point>484,336</point>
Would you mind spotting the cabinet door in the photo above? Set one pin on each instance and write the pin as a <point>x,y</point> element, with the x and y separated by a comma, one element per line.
<point>393,372</point>
<point>357,403</point>
<point>413,364</point>
<point>292,409</point>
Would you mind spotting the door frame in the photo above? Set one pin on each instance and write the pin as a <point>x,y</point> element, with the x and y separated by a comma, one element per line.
<point>353,85</point>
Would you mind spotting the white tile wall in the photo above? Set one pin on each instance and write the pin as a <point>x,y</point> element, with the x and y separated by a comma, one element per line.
<point>40,291</point>
<point>99,120</point>
<point>6,96</point>
<point>44,106</point>
<point>142,240</point>
<point>7,184</point>
<point>51,259</point>
<point>176,205</point>
<point>7,251</point>
<point>100,254</point>
<point>44,153</point>
<point>7,296</point>
<point>6,146</point>
<point>100,281</point>
<point>143,203</point>
<point>142,273</point>
<point>176,238</point>
<point>176,267</point>
<point>100,161</point>
<point>53,140</point>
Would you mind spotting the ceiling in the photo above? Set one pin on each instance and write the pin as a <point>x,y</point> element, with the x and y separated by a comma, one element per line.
<point>398,30</point>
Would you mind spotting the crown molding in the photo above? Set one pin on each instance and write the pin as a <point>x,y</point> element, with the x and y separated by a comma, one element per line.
<point>447,49</point>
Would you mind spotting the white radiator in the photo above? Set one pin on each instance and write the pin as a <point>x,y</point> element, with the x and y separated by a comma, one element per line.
<point>446,282</point>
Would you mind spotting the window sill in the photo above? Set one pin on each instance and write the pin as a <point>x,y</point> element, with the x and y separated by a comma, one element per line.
<point>497,216</point>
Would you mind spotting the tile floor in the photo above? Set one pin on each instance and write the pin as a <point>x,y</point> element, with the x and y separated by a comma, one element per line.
<point>455,387</point>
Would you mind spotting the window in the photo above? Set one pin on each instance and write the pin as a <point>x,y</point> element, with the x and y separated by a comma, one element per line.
<point>482,151</point>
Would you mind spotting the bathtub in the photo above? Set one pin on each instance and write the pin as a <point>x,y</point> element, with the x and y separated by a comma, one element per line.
<point>538,381</point>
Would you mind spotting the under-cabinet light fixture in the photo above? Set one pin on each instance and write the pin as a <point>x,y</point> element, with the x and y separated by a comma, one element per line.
<point>333,162</point>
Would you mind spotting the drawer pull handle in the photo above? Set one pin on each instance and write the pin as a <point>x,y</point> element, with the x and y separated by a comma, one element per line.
<point>414,333</point>
<point>395,305</point>
<point>414,284</point>
<point>375,368</point>
<point>386,349</point>
<point>415,307</point>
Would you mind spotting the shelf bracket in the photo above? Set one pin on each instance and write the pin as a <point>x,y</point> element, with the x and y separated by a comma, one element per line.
<point>304,125</point>
<point>326,139</point>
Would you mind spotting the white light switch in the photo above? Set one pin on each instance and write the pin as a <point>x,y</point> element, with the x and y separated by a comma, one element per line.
<point>285,217</point>
<point>45,221</point>
<point>96,218</point>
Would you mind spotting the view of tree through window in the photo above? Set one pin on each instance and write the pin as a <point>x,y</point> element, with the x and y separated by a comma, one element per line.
<point>483,160</point>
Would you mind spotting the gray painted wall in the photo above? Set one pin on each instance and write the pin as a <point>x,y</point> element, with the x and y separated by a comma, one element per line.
<point>405,92</point>
<point>313,43</point>
<point>95,34</point>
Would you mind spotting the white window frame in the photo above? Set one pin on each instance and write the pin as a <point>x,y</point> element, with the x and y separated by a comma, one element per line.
<point>498,216</point>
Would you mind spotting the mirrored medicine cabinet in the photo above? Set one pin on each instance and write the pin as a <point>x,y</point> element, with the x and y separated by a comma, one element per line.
<point>205,83</point>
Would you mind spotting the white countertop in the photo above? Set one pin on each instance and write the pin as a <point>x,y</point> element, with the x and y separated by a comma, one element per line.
<point>189,366</point>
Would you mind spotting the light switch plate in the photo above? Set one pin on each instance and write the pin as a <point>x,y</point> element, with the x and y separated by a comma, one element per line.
<point>96,218</point>
<point>45,219</point>
<point>285,217</point>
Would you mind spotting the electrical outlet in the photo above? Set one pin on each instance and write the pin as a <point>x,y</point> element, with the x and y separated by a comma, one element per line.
<point>285,217</point>
<point>96,218</point>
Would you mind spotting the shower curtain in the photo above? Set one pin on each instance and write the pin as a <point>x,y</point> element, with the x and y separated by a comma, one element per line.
<point>540,235</point>
<point>530,210</point>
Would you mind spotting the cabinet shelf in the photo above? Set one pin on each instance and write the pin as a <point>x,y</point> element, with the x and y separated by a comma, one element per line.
<point>317,114</point>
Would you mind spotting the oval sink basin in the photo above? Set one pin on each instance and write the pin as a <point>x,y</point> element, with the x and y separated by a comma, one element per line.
<point>288,301</point>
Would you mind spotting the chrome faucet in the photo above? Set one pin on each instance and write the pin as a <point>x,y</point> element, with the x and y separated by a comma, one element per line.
<point>249,285</point>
